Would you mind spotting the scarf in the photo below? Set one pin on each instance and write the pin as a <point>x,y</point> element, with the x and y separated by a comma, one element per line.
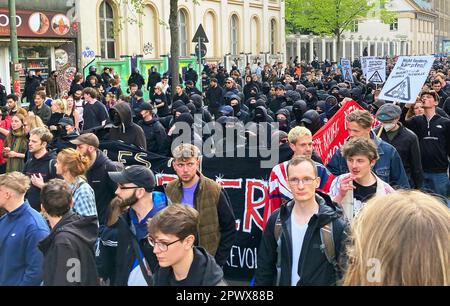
<point>18,143</point>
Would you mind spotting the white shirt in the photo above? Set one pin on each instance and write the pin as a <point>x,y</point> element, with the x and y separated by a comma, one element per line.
<point>298,235</point>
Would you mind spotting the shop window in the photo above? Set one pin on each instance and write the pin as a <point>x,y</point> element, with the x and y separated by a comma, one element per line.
<point>107,39</point>
<point>34,60</point>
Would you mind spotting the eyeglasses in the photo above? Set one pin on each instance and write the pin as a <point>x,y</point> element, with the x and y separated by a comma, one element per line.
<point>305,182</point>
<point>161,245</point>
<point>127,187</point>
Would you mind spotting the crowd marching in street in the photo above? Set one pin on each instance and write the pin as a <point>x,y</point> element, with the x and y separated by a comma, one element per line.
<point>72,216</point>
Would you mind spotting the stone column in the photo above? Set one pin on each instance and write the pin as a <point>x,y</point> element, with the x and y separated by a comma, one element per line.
<point>343,48</point>
<point>299,48</point>
<point>361,46</point>
<point>311,49</point>
<point>334,50</point>
<point>324,49</point>
<point>352,49</point>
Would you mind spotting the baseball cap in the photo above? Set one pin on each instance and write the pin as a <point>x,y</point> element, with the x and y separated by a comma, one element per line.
<point>280,86</point>
<point>388,112</point>
<point>139,175</point>
<point>226,110</point>
<point>145,106</point>
<point>66,121</point>
<point>88,138</point>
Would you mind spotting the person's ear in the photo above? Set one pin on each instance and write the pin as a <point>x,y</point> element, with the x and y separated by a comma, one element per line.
<point>188,242</point>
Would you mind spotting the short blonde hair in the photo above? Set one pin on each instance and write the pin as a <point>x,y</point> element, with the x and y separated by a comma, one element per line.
<point>406,234</point>
<point>16,181</point>
<point>298,132</point>
<point>60,103</point>
<point>185,151</point>
<point>361,117</point>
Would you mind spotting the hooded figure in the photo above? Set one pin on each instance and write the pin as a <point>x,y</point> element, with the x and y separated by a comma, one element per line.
<point>239,113</point>
<point>154,77</point>
<point>72,237</point>
<point>311,120</point>
<point>292,96</point>
<point>357,96</point>
<point>124,128</point>
<point>180,130</point>
<point>228,124</point>
<point>260,127</point>
<point>92,72</point>
<point>311,97</point>
<point>283,119</point>
<point>197,100</point>
<point>298,109</point>
<point>191,75</point>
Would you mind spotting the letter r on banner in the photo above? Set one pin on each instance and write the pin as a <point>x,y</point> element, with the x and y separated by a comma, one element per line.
<point>251,213</point>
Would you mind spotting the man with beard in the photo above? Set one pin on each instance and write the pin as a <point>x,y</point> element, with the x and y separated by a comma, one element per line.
<point>135,261</point>
<point>279,100</point>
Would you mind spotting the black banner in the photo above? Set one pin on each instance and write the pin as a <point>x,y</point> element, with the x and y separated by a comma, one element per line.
<point>245,183</point>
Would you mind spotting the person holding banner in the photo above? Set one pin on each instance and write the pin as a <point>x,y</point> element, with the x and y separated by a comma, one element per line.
<point>352,190</point>
<point>389,167</point>
<point>433,132</point>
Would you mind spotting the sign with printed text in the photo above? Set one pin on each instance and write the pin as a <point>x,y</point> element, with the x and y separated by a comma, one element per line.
<point>407,78</point>
<point>376,71</point>
<point>364,60</point>
<point>347,70</point>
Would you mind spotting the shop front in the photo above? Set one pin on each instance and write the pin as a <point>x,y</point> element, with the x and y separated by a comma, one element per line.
<point>46,41</point>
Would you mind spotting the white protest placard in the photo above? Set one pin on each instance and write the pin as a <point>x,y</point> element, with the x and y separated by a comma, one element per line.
<point>364,60</point>
<point>347,70</point>
<point>406,80</point>
<point>376,71</point>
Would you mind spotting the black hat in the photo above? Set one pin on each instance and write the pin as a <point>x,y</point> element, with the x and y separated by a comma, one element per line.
<point>139,93</point>
<point>145,106</point>
<point>388,112</point>
<point>66,121</point>
<point>139,175</point>
<point>280,86</point>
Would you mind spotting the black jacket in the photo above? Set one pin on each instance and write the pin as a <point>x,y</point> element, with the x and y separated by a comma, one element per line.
<point>153,79</point>
<point>214,97</point>
<point>407,145</point>
<point>183,97</point>
<point>314,268</point>
<point>434,140</point>
<point>125,254</point>
<point>104,188</point>
<point>128,131</point>
<point>204,271</point>
<point>72,238</point>
<point>46,167</point>
<point>191,75</point>
<point>156,136</point>
<point>137,79</point>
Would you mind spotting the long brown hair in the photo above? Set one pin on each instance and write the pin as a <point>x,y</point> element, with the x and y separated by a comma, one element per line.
<point>400,239</point>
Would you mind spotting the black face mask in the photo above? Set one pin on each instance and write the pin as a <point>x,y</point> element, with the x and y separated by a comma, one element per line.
<point>116,119</point>
<point>298,114</point>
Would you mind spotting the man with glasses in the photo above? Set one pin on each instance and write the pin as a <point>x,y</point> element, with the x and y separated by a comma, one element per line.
<point>134,263</point>
<point>352,190</point>
<point>172,233</point>
<point>292,238</point>
<point>217,227</point>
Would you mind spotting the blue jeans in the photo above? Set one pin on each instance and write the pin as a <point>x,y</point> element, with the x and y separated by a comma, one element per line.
<point>437,182</point>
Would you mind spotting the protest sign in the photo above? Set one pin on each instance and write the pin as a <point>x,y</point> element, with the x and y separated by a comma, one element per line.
<point>347,70</point>
<point>376,71</point>
<point>407,78</point>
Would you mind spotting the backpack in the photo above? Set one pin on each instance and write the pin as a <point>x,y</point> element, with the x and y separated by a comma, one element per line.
<point>327,246</point>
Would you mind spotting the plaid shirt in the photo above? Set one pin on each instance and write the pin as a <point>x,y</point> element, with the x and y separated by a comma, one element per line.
<point>83,198</point>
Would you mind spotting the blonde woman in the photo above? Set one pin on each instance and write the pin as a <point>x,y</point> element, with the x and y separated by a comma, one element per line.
<point>31,122</point>
<point>72,167</point>
<point>58,112</point>
<point>16,145</point>
<point>401,239</point>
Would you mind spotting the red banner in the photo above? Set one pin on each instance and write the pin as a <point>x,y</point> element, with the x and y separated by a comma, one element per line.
<point>332,135</point>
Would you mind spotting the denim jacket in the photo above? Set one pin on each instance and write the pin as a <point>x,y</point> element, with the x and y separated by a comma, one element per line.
<point>389,167</point>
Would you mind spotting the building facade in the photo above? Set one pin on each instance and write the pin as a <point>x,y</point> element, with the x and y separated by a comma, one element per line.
<point>442,26</point>
<point>412,33</point>
<point>237,30</point>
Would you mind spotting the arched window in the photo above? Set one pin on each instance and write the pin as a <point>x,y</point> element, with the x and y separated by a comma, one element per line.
<point>273,36</point>
<point>234,35</point>
<point>107,39</point>
<point>183,27</point>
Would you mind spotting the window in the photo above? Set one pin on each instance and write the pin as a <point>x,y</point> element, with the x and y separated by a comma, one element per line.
<point>273,36</point>
<point>354,26</point>
<point>234,35</point>
<point>394,26</point>
<point>183,39</point>
<point>107,39</point>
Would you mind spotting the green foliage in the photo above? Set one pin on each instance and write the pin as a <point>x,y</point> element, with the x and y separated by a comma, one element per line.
<point>331,17</point>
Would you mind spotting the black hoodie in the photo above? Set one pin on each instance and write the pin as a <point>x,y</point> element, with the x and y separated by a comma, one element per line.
<point>44,166</point>
<point>314,268</point>
<point>70,246</point>
<point>126,130</point>
<point>204,271</point>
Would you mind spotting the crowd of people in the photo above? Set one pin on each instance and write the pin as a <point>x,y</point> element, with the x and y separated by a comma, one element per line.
<point>66,206</point>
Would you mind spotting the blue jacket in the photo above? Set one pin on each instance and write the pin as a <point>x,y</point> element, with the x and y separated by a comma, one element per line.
<point>389,167</point>
<point>20,259</point>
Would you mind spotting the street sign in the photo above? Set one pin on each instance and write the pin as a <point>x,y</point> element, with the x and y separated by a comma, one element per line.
<point>202,49</point>
<point>200,35</point>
